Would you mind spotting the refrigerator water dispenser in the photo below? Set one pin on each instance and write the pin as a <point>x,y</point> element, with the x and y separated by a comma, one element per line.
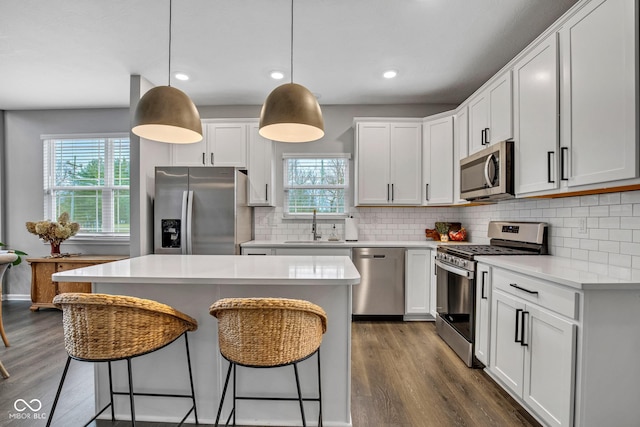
<point>170,233</point>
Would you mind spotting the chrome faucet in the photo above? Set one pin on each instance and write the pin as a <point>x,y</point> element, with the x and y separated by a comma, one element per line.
<point>314,228</point>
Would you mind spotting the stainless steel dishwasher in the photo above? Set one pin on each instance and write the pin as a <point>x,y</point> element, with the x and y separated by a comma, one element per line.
<point>381,288</point>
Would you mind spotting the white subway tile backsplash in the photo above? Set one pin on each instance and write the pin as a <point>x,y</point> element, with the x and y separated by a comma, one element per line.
<point>612,220</point>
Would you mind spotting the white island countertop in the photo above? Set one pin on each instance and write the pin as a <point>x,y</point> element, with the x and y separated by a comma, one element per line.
<point>220,269</point>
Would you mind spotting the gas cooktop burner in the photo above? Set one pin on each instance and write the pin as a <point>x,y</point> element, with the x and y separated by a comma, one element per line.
<point>487,250</point>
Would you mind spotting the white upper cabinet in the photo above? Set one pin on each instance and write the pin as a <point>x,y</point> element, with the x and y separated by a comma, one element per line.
<point>223,144</point>
<point>598,52</point>
<point>535,110</point>
<point>437,160</point>
<point>460,148</point>
<point>490,114</point>
<point>388,163</point>
<point>261,169</point>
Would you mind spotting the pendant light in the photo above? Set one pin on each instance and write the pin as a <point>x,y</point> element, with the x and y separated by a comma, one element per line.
<point>167,114</point>
<point>291,112</point>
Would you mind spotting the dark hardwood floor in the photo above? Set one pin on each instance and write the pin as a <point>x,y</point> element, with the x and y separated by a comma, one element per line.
<point>403,375</point>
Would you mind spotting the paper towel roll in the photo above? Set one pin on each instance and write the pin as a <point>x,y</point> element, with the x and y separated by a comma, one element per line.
<point>350,229</point>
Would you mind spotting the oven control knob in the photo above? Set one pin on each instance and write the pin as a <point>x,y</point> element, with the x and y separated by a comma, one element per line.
<point>463,263</point>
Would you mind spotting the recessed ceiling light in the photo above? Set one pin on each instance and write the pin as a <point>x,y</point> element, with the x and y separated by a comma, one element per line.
<point>389,74</point>
<point>181,76</point>
<point>277,75</point>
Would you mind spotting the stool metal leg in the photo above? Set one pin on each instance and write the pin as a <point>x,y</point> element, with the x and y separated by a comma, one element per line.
<point>113,415</point>
<point>224,392</point>
<point>193,392</point>
<point>133,410</point>
<point>233,412</point>
<point>319,390</point>
<point>295,369</point>
<point>55,400</point>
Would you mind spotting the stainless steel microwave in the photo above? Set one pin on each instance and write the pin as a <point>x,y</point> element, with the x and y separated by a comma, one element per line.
<point>488,174</point>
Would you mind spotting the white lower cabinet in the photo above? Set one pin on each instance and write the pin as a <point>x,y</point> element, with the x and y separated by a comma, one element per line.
<point>483,311</point>
<point>257,251</point>
<point>533,349</point>
<point>417,284</point>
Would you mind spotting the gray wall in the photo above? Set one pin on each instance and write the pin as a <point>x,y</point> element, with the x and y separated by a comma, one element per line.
<point>23,199</point>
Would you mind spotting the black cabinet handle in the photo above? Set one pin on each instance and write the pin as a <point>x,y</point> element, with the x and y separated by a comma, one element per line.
<point>392,193</point>
<point>212,158</point>
<point>518,311</point>
<point>482,295</point>
<point>523,328</point>
<point>483,136</point>
<point>562,158</point>
<point>426,192</point>
<point>266,192</point>
<point>549,154</point>
<point>387,192</point>
<point>203,161</point>
<point>486,136</point>
<point>513,285</point>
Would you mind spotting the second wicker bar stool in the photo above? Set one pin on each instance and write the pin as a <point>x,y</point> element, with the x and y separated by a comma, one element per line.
<point>107,328</point>
<point>268,333</point>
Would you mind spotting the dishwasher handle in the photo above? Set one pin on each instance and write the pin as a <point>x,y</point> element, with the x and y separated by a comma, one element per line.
<point>380,256</point>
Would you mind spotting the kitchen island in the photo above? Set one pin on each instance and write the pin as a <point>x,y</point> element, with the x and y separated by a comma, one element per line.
<point>191,283</point>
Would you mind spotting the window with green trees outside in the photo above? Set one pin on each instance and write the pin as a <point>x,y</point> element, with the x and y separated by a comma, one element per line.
<point>88,177</point>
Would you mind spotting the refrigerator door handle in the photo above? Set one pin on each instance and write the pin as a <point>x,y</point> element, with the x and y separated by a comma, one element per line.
<point>189,234</point>
<point>183,223</point>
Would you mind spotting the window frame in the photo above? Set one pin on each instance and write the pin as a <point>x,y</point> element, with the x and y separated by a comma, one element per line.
<point>108,189</point>
<point>286,187</point>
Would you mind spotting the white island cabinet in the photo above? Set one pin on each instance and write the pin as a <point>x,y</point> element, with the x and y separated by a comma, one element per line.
<point>191,283</point>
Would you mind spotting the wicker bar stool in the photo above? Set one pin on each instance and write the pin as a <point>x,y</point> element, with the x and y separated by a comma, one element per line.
<point>268,333</point>
<point>107,328</point>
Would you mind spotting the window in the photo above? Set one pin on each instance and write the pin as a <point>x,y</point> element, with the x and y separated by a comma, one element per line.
<point>88,177</point>
<point>316,181</point>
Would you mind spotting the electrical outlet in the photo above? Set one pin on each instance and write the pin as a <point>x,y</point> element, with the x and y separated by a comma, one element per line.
<point>582,226</point>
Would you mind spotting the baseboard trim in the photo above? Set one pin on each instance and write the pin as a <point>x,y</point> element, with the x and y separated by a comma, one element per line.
<point>16,297</point>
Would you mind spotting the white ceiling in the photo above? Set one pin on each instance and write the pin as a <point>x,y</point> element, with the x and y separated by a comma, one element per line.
<point>80,53</point>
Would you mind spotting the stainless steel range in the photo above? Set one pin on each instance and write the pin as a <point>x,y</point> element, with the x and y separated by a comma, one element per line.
<point>456,274</point>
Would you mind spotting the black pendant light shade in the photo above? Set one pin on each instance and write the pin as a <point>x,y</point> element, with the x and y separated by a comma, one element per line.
<point>291,114</point>
<point>167,114</point>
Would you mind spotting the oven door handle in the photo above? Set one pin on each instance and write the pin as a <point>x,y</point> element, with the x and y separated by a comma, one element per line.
<point>455,270</point>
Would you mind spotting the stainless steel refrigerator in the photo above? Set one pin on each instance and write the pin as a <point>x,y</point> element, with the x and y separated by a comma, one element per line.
<point>201,210</point>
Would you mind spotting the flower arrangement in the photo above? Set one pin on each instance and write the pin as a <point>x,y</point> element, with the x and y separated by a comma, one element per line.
<point>54,232</point>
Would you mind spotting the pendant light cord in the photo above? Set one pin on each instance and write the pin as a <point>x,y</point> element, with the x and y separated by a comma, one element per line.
<point>291,41</point>
<point>169,70</point>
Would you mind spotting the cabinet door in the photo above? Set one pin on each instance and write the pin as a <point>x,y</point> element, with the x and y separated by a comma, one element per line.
<point>190,154</point>
<point>258,251</point>
<point>372,166</point>
<point>227,144</point>
<point>549,366</point>
<point>483,324</point>
<point>417,281</point>
<point>460,149</point>
<point>72,286</point>
<point>406,163</point>
<point>478,122</point>
<point>598,50</point>
<point>437,161</point>
<point>507,355</point>
<point>500,109</point>
<point>260,169</point>
<point>536,120</point>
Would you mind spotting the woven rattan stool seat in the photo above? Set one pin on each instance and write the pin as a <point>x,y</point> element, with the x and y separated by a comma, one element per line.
<point>112,327</point>
<point>267,333</point>
<point>108,328</point>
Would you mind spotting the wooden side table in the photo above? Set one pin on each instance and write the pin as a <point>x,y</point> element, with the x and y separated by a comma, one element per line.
<point>43,289</point>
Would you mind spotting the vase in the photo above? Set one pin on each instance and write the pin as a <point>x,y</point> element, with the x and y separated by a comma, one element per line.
<point>444,237</point>
<point>55,249</point>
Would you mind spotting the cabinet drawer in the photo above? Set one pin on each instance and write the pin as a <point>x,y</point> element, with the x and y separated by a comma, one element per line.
<point>545,294</point>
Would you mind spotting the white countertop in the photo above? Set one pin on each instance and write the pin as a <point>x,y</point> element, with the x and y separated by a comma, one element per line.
<point>415,244</point>
<point>569,272</point>
<point>220,269</point>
